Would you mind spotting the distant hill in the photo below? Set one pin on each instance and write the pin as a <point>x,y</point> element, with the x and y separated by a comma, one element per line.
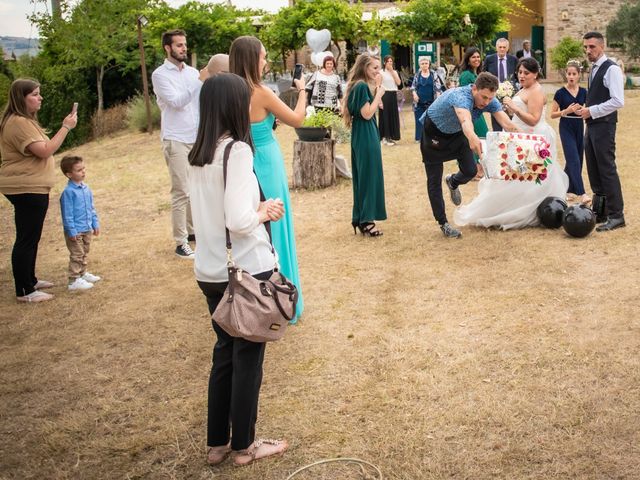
<point>19,46</point>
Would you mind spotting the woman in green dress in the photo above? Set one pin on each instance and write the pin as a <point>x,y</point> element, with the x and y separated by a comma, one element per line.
<point>470,67</point>
<point>364,97</point>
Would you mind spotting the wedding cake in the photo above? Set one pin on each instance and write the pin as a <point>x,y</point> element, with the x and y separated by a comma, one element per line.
<point>516,156</point>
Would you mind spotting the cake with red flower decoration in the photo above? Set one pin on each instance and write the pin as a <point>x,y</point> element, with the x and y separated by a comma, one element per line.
<point>516,156</point>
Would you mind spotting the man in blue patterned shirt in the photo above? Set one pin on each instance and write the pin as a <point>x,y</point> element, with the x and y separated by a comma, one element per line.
<point>448,135</point>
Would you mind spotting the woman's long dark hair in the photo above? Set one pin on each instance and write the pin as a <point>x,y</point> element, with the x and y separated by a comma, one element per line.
<point>224,110</point>
<point>244,60</point>
<point>530,64</point>
<point>464,66</point>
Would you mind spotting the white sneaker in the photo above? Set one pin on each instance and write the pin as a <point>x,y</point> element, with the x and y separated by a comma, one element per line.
<point>80,284</point>
<point>90,277</point>
<point>35,297</point>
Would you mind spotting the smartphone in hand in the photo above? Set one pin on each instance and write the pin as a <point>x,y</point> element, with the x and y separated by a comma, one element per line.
<point>74,109</point>
<point>297,73</point>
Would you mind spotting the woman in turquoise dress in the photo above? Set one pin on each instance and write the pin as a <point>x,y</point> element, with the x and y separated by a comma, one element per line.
<point>366,156</point>
<point>247,58</point>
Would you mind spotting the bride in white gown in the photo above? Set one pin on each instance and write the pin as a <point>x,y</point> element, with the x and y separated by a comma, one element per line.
<point>513,204</point>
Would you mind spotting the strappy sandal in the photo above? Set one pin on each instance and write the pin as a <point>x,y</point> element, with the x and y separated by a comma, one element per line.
<point>367,230</point>
<point>585,200</point>
<point>217,455</point>
<point>261,448</point>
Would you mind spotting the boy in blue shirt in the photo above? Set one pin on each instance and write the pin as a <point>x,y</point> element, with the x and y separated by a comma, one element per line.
<point>448,135</point>
<point>80,222</point>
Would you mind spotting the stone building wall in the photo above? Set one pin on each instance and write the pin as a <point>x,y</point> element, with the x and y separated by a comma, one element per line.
<point>573,18</point>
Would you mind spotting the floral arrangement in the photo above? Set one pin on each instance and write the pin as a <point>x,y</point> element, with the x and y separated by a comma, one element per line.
<point>517,156</point>
<point>505,89</point>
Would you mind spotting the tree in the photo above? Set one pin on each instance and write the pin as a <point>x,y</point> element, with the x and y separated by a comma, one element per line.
<point>566,49</point>
<point>434,19</point>
<point>286,30</point>
<point>623,30</point>
<point>97,34</point>
<point>210,28</point>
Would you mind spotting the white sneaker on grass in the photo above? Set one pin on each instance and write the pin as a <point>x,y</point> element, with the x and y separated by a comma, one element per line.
<point>80,284</point>
<point>90,277</point>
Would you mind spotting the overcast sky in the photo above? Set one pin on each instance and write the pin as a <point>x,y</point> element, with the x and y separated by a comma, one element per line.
<point>14,23</point>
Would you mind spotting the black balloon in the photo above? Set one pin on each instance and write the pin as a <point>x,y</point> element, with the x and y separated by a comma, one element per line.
<point>550,212</point>
<point>578,221</point>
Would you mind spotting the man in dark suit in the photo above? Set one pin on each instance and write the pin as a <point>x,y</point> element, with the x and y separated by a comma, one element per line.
<point>526,50</point>
<point>604,98</point>
<point>503,66</point>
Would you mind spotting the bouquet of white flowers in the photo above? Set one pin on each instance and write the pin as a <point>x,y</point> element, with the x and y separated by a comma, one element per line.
<point>505,89</point>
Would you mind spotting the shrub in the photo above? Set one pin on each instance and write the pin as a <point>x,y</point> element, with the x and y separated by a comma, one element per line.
<point>567,49</point>
<point>321,118</point>
<point>136,117</point>
<point>113,120</point>
<point>5,83</point>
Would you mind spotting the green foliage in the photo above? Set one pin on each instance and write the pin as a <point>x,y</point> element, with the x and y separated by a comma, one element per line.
<point>137,114</point>
<point>5,83</point>
<point>6,77</point>
<point>322,118</point>
<point>426,19</point>
<point>623,29</point>
<point>210,28</point>
<point>94,34</point>
<point>566,49</point>
<point>285,31</point>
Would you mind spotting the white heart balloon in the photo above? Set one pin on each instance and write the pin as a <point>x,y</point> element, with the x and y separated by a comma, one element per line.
<point>318,40</point>
<point>318,57</point>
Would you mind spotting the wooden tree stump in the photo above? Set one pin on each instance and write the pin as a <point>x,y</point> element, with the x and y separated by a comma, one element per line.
<point>313,165</point>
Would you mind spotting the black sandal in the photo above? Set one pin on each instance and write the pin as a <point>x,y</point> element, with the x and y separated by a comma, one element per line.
<point>367,230</point>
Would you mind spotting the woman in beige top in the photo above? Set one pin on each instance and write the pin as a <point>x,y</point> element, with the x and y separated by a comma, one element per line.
<point>26,177</point>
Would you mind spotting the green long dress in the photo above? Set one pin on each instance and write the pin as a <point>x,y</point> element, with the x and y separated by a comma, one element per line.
<point>366,160</point>
<point>480,125</point>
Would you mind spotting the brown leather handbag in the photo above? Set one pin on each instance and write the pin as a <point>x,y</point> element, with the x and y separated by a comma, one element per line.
<point>256,310</point>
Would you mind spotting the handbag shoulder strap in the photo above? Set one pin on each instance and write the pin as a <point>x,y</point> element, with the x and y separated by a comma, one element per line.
<point>225,161</point>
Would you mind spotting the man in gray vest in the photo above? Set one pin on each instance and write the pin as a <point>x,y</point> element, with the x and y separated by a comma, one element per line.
<point>604,98</point>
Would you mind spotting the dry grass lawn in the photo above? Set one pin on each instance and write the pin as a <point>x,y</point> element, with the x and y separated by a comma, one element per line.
<point>506,355</point>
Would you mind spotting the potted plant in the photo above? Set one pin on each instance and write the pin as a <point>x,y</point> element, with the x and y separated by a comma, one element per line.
<point>317,125</point>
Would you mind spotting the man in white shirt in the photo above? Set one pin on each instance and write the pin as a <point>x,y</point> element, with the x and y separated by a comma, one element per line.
<point>604,98</point>
<point>526,50</point>
<point>177,88</point>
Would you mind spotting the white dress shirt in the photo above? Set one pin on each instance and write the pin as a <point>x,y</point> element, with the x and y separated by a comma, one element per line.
<point>212,206</point>
<point>614,81</point>
<point>178,92</point>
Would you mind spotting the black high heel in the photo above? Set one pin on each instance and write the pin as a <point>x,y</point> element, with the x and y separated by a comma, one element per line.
<point>355,225</point>
<point>367,230</point>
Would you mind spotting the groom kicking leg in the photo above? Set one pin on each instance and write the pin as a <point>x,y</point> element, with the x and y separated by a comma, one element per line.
<point>448,135</point>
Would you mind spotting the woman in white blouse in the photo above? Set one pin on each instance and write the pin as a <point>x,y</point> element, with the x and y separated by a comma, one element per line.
<point>324,88</point>
<point>236,372</point>
<point>389,117</point>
